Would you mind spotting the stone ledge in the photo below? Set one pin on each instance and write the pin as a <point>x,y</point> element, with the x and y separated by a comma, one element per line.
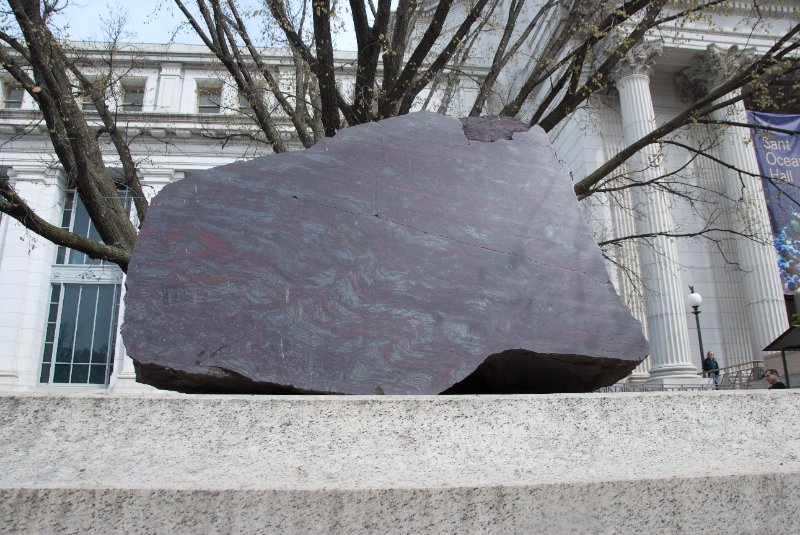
<point>715,462</point>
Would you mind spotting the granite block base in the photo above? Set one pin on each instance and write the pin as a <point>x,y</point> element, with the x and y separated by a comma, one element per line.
<point>689,462</point>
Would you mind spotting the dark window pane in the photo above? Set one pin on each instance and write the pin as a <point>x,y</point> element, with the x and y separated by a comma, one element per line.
<point>85,330</point>
<point>47,355</point>
<point>208,100</point>
<point>97,375</point>
<point>126,199</point>
<point>77,257</point>
<point>133,98</point>
<point>86,102</point>
<point>95,236</point>
<point>61,373</point>
<point>80,374</point>
<point>51,327</point>
<point>102,325</point>
<point>100,351</point>
<point>82,221</point>
<point>66,221</point>
<point>48,352</point>
<point>114,320</point>
<point>66,329</point>
<point>81,355</point>
<point>66,218</point>
<point>82,226</point>
<point>13,97</point>
<point>64,354</point>
<point>44,377</point>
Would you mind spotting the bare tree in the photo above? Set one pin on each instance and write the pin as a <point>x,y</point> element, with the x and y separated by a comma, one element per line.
<point>38,62</point>
<point>559,54</point>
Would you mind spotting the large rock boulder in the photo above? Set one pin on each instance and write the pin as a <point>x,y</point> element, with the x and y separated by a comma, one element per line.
<point>416,255</point>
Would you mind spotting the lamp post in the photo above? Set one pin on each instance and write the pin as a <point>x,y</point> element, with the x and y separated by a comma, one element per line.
<point>695,300</point>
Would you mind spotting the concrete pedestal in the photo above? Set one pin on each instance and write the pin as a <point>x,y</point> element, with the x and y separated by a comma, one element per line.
<point>689,462</point>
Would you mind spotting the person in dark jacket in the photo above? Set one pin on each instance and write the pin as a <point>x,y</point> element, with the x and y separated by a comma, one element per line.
<point>773,379</point>
<point>711,367</point>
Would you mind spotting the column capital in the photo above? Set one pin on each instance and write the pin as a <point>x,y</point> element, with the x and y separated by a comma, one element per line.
<point>638,61</point>
<point>710,69</point>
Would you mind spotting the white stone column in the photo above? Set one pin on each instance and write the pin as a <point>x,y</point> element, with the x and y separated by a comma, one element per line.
<point>761,286</point>
<point>25,269</point>
<point>764,301</point>
<point>123,379</point>
<point>670,359</point>
<point>734,348</point>
<point>622,210</point>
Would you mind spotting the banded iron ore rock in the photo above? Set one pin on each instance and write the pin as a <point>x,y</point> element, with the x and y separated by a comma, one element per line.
<point>399,257</point>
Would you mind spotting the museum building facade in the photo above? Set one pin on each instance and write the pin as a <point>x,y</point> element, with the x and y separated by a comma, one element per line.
<point>60,311</point>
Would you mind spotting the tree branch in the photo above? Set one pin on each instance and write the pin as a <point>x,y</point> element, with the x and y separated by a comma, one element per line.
<point>13,205</point>
<point>501,56</point>
<point>412,89</point>
<point>321,14</point>
<point>394,92</point>
<point>601,76</point>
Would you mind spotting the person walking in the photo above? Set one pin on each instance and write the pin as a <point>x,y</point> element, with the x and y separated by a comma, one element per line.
<point>711,367</point>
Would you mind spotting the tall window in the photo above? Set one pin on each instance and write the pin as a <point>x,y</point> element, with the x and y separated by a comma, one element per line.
<point>132,98</point>
<point>209,99</point>
<point>84,308</point>
<point>81,334</point>
<point>86,102</point>
<point>12,97</point>
<point>244,105</point>
<point>85,97</point>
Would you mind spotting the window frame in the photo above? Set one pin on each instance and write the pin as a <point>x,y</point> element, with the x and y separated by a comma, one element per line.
<point>53,337</point>
<point>69,212</point>
<point>128,90</point>
<point>7,89</point>
<point>88,275</point>
<point>210,92</point>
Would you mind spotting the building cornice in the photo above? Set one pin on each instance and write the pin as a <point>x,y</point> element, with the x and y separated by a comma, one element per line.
<point>186,53</point>
<point>773,8</point>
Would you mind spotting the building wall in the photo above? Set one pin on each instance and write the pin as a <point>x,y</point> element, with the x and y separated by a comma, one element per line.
<point>173,149</point>
<point>171,77</point>
<point>709,262</point>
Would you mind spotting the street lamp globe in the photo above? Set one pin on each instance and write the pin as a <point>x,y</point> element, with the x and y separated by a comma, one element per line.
<point>695,299</point>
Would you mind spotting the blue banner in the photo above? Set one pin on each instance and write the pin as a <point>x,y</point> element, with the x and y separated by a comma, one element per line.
<point>779,162</point>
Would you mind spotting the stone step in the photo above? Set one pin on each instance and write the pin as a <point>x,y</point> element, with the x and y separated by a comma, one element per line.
<point>570,463</point>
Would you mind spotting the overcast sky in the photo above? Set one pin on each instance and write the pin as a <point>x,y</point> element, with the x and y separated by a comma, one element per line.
<point>149,21</point>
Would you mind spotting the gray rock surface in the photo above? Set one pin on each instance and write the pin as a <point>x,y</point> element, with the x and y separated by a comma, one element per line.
<point>399,257</point>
